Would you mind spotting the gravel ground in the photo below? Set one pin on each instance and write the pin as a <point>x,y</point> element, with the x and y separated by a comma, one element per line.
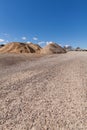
<point>45,93</point>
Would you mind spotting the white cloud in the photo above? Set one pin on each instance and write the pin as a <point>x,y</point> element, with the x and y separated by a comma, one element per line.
<point>28,42</point>
<point>49,42</point>
<point>41,42</point>
<point>23,38</point>
<point>67,45</point>
<point>2,40</point>
<point>35,38</point>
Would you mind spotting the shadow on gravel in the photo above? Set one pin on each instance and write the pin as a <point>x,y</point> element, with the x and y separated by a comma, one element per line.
<point>8,61</point>
<point>13,59</point>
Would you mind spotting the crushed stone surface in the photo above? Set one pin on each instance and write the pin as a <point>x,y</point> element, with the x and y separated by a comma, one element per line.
<point>49,93</point>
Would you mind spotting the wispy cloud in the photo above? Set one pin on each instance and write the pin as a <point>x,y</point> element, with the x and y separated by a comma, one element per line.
<point>23,38</point>
<point>35,38</point>
<point>2,40</point>
<point>5,34</point>
<point>5,42</point>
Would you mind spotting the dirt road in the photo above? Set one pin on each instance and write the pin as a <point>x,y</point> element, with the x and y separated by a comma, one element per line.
<point>48,93</point>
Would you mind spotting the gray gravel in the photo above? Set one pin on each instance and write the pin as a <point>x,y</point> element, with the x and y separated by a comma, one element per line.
<point>46,93</point>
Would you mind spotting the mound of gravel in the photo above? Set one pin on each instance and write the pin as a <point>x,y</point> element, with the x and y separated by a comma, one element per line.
<point>53,48</point>
<point>17,47</point>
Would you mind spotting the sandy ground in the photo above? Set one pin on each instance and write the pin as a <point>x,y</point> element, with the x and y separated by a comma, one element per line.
<point>45,93</point>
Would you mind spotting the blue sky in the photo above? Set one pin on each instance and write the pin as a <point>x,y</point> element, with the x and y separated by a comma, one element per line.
<point>42,21</point>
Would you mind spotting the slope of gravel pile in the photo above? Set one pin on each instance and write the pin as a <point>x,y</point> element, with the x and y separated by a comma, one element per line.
<point>35,47</point>
<point>52,49</point>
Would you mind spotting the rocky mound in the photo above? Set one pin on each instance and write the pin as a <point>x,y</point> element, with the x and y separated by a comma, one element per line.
<point>53,48</point>
<point>17,47</point>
